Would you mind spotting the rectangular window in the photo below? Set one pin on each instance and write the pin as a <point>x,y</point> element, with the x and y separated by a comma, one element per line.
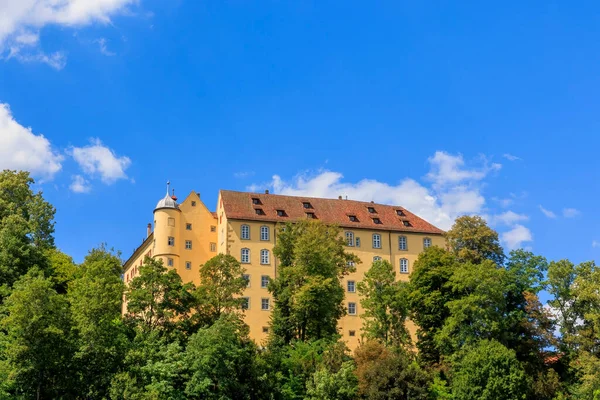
<point>193,204</point>
<point>247,279</point>
<point>357,242</point>
<point>188,265</point>
<point>188,244</point>
<point>255,200</point>
<point>245,234</point>
<point>245,259</point>
<point>351,286</point>
<point>306,204</point>
<point>169,262</point>
<point>265,257</point>
<point>376,241</point>
<point>371,210</point>
<point>403,266</point>
<point>265,329</point>
<point>350,239</point>
<point>245,303</point>
<point>406,223</point>
<point>281,213</point>
<point>264,233</point>
<point>265,304</point>
<point>264,281</point>
<point>402,243</point>
<point>351,308</point>
<point>213,247</point>
<point>171,241</point>
<point>426,243</point>
<point>213,228</point>
<point>376,258</point>
<point>353,218</point>
<point>259,211</point>
<point>352,333</point>
<point>310,215</point>
<point>376,221</point>
<point>188,227</point>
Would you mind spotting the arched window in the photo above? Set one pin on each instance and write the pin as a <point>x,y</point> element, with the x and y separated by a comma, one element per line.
<point>402,243</point>
<point>245,234</point>
<point>426,243</point>
<point>403,266</point>
<point>265,257</point>
<point>376,258</point>
<point>350,239</point>
<point>376,241</point>
<point>264,233</point>
<point>245,259</point>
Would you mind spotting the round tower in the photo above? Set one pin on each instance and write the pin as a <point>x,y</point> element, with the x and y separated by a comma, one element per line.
<point>167,230</point>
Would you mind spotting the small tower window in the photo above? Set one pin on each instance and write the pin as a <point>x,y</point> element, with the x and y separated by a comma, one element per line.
<point>171,241</point>
<point>193,203</point>
<point>213,228</point>
<point>188,227</point>
<point>188,244</point>
<point>169,262</point>
<point>351,333</point>
<point>188,265</point>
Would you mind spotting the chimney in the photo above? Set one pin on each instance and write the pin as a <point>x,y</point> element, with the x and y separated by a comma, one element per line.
<point>267,191</point>
<point>148,230</point>
<point>340,197</point>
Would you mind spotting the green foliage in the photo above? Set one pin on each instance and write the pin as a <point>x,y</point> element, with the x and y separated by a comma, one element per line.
<point>471,240</point>
<point>62,269</point>
<point>339,385</point>
<point>307,291</point>
<point>221,285</point>
<point>157,299</point>
<point>96,298</point>
<point>38,344</point>
<point>488,371</point>
<point>385,373</point>
<point>221,361</point>
<point>385,305</point>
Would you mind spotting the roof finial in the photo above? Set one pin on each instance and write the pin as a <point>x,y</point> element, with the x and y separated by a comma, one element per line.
<point>168,183</point>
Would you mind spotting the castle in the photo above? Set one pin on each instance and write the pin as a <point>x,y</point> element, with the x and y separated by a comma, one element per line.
<point>187,234</point>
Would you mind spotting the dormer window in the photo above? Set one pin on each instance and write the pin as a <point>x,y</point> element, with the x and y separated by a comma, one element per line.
<point>306,204</point>
<point>406,223</point>
<point>256,200</point>
<point>372,210</point>
<point>376,221</point>
<point>310,215</point>
<point>353,218</point>
<point>281,213</point>
<point>259,211</point>
<point>400,213</point>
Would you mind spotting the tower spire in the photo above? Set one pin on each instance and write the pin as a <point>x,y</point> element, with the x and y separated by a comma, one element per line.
<point>168,184</point>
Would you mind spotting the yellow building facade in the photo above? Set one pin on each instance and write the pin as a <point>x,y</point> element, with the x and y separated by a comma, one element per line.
<point>245,226</point>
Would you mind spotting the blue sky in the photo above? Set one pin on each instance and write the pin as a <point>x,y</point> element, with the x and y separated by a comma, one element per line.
<point>445,108</point>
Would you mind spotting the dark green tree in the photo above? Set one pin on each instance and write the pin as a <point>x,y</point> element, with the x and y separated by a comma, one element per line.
<point>38,344</point>
<point>488,371</point>
<point>308,292</point>
<point>472,240</point>
<point>96,298</point>
<point>385,305</point>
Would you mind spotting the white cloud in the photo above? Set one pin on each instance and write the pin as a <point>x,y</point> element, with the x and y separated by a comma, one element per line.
<point>21,149</point>
<point>449,169</point>
<point>509,218</point>
<point>503,202</point>
<point>515,237</point>
<point>79,184</point>
<point>571,212</point>
<point>102,43</point>
<point>22,20</point>
<point>97,159</point>
<point>511,157</point>
<point>547,213</point>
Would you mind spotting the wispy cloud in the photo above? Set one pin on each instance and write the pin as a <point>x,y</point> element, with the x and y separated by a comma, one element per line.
<point>511,157</point>
<point>547,213</point>
<point>79,184</point>
<point>571,212</point>
<point>102,43</point>
<point>243,174</point>
<point>514,238</point>
<point>508,218</point>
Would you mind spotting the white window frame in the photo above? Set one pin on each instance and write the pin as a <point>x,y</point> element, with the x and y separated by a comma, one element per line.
<point>265,233</point>
<point>245,232</point>
<point>188,244</point>
<point>349,308</point>
<point>376,241</point>
<point>264,281</point>
<point>171,241</point>
<point>265,257</point>
<point>245,256</point>
<point>404,266</point>
<point>357,241</point>
<point>426,242</point>
<point>353,284</point>
<point>268,303</point>
<point>350,238</point>
<point>402,243</point>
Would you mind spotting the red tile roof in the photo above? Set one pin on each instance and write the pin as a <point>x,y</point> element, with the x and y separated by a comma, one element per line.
<point>239,205</point>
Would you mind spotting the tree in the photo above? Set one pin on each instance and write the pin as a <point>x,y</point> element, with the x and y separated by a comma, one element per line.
<point>157,299</point>
<point>38,344</point>
<point>221,285</point>
<point>429,294</point>
<point>18,199</point>
<point>385,373</point>
<point>220,359</point>
<point>385,305</point>
<point>329,385</point>
<point>308,292</point>
<point>62,269</point>
<point>488,371</point>
<point>471,240</point>
<point>96,298</point>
